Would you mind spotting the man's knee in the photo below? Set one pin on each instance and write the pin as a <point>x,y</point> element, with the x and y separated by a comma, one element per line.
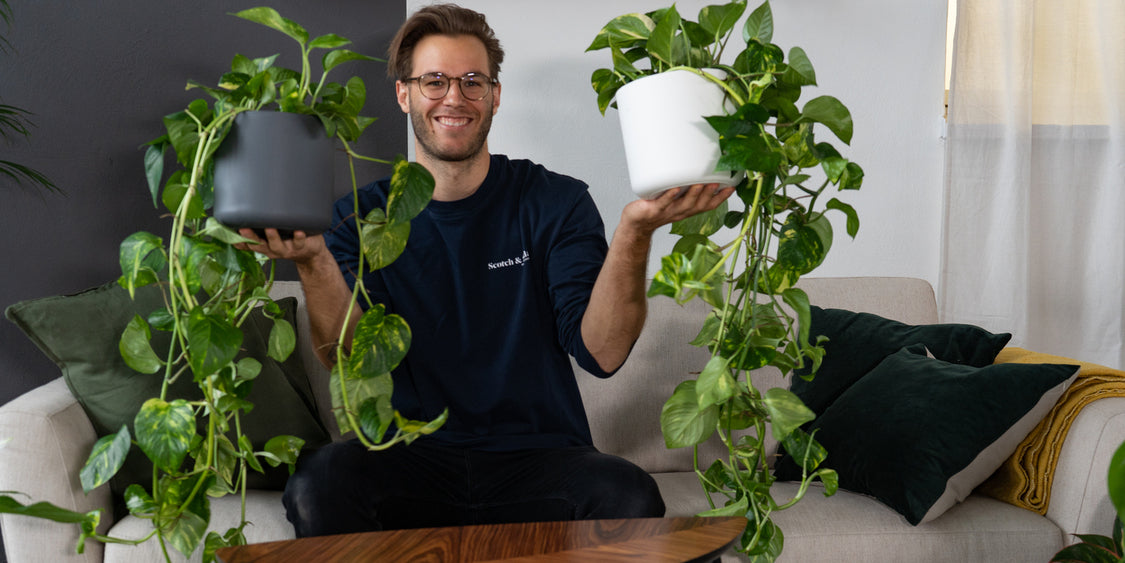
<point>620,489</point>
<point>320,497</point>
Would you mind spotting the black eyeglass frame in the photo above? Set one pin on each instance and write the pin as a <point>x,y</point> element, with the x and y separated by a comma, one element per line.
<point>489,81</point>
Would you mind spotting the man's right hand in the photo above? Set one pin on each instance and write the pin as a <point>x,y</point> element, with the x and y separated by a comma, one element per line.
<point>300,249</point>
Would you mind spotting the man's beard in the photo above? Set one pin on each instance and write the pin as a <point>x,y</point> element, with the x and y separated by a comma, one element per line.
<point>425,137</point>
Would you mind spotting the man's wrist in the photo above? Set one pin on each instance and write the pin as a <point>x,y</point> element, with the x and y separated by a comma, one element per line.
<point>316,265</point>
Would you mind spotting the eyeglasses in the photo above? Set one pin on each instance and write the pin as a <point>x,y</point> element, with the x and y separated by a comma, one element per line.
<point>435,85</point>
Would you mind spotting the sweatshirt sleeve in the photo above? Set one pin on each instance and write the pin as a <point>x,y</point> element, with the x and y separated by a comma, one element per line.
<point>575,259</point>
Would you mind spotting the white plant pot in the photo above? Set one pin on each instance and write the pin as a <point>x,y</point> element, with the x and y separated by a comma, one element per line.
<point>668,144</point>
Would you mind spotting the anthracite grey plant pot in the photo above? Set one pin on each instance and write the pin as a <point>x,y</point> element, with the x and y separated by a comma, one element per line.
<point>275,169</point>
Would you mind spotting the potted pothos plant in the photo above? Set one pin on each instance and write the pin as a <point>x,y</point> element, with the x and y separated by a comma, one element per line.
<point>210,287</point>
<point>776,231</point>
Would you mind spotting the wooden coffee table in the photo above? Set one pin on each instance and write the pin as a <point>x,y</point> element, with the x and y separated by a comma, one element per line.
<point>636,539</point>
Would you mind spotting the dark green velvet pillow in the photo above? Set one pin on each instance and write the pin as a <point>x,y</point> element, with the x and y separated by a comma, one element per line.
<point>857,342</point>
<point>80,333</point>
<point>920,434</point>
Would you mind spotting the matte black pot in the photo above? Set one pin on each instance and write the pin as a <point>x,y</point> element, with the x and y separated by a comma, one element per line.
<point>275,169</point>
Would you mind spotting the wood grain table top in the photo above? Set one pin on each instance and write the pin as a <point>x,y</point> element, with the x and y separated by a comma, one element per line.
<point>672,540</point>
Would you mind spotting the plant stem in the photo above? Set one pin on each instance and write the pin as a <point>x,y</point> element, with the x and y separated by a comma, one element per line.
<point>739,102</point>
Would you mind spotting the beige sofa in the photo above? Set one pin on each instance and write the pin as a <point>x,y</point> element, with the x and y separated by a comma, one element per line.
<point>50,438</point>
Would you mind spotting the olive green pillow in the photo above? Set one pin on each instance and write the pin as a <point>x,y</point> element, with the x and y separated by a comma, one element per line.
<point>80,333</point>
<point>920,434</point>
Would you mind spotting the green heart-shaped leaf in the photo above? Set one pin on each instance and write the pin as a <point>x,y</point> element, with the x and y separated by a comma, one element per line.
<point>106,458</point>
<point>164,431</point>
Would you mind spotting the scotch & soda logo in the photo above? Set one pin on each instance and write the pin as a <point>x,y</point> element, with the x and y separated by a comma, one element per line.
<point>518,261</point>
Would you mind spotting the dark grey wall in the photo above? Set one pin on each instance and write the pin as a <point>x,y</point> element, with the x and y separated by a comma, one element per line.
<point>99,75</point>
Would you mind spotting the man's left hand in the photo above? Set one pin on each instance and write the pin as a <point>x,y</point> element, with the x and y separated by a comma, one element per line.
<point>674,205</point>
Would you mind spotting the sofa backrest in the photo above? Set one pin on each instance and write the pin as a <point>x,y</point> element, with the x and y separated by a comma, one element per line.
<point>624,410</point>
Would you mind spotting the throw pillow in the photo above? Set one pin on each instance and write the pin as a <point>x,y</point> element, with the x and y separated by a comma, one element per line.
<point>919,434</point>
<point>857,342</point>
<point>80,333</point>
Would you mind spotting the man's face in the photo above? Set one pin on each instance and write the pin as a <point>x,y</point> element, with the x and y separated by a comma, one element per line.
<point>453,128</point>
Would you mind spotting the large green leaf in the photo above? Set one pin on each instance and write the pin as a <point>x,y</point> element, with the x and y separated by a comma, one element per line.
<point>179,198</point>
<point>335,58</point>
<point>282,340</point>
<point>183,135</point>
<point>142,257</point>
<point>749,152</point>
<point>805,451</point>
<point>787,412</point>
<point>354,96</point>
<point>759,25</point>
<point>682,422</point>
<point>798,300</point>
<point>623,32</point>
<point>380,343</point>
<point>606,83</point>
<point>733,508</point>
<point>719,19</point>
<point>800,71</point>
<point>273,20</point>
<point>1116,481</point>
<point>716,385</point>
<point>849,212</point>
<point>375,416</point>
<point>214,542</point>
<point>48,511</point>
<point>660,42</point>
<point>136,348</point>
<point>154,166</point>
<point>138,501</point>
<point>359,390</point>
<point>706,223</point>
<point>164,431</point>
<point>329,41</point>
<point>214,229</point>
<point>106,458</point>
<point>283,449</point>
<point>832,113</point>
<point>383,241</point>
<point>623,64</point>
<point>212,342</point>
<point>769,540</point>
<point>187,530</point>
<point>416,428</point>
<point>803,246</point>
<point>412,186</point>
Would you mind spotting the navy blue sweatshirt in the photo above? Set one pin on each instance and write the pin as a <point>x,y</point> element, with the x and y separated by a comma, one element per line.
<point>494,287</point>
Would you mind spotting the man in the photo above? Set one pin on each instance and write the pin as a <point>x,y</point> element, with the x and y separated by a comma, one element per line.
<point>506,273</point>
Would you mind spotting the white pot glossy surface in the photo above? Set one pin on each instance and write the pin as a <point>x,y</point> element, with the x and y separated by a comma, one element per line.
<point>667,142</point>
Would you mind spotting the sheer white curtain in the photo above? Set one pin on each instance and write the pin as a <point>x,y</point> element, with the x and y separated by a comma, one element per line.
<point>1035,175</point>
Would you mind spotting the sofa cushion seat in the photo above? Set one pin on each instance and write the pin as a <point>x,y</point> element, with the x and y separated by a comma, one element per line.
<point>841,527</point>
<point>263,510</point>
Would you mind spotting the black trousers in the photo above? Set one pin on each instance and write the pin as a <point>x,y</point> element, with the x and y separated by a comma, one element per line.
<point>343,488</point>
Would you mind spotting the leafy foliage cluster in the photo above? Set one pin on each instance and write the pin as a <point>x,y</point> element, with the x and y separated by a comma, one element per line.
<point>759,317</point>
<point>15,123</point>
<point>210,287</point>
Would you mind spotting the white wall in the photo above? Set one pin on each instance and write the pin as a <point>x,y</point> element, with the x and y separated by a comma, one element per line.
<point>884,59</point>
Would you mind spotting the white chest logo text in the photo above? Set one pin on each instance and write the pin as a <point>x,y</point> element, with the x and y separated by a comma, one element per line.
<point>518,261</point>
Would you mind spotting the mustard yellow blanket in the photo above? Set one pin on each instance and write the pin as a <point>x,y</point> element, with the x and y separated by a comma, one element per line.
<point>1025,478</point>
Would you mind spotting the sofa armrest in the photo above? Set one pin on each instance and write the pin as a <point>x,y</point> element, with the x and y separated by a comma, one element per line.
<point>1079,493</point>
<point>48,440</point>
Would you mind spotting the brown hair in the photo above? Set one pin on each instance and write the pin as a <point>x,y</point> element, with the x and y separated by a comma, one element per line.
<point>441,19</point>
